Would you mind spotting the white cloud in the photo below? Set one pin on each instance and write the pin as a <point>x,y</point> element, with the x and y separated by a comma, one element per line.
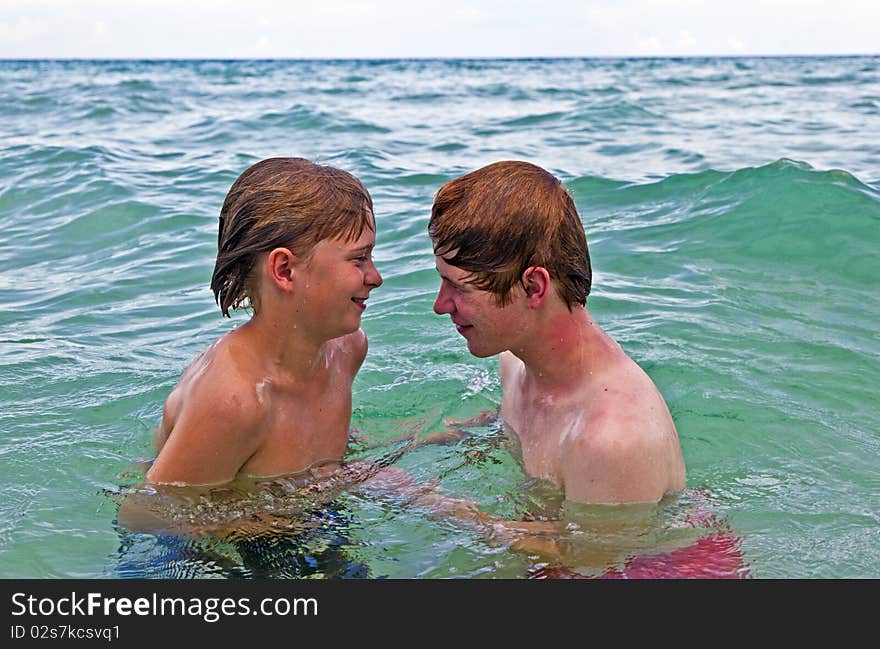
<point>735,45</point>
<point>262,48</point>
<point>650,46</point>
<point>686,43</point>
<point>17,31</point>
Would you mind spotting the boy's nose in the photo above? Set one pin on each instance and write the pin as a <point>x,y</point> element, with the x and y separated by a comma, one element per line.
<point>374,278</point>
<point>442,304</point>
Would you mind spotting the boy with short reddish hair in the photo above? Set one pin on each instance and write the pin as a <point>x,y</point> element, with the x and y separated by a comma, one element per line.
<point>515,275</point>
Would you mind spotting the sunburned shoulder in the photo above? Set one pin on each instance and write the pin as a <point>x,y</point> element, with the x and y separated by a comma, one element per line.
<point>626,410</point>
<point>614,461</point>
<point>625,448</point>
<point>624,387</point>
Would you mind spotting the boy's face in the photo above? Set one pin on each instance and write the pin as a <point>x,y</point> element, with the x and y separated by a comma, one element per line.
<point>488,328</point>
<point>336,280</point>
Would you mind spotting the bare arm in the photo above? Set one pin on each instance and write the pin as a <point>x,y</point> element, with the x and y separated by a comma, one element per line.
<point>172,406</point>
<point>216,431</point>
<point>453,432</point>
<point>611,464</point>
<point>522,536</point>
<point>152,509</point>
<point>561,542</point>
<point>455,428</point>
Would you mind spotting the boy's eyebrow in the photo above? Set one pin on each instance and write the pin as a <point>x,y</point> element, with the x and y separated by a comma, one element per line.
<point>365,248</point>
<point>442,276</point>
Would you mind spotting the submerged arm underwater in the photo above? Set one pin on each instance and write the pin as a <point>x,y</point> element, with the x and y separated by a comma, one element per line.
<point>245,506</point>
<point>251,508</point>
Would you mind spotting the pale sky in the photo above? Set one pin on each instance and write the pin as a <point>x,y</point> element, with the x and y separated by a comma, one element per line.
<point>440,28</point>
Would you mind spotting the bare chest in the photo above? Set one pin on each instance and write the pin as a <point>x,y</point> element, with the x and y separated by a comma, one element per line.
<point>539,430</point>
<point>303,428</point>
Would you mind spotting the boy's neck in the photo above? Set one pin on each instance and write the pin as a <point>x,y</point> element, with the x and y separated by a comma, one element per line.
<point>290,351</point>
<point>563,348</point>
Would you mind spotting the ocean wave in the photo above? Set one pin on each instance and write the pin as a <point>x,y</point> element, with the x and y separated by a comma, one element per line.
<point>811,223</point>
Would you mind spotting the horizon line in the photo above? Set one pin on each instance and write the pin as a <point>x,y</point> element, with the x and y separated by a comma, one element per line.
<point>436,58</point>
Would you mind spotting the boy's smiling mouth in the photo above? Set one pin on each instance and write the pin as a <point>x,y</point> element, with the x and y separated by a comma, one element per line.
<point>461,328</point>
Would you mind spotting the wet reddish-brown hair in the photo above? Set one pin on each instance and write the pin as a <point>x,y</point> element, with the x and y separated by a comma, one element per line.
<point>498,221</point>
<point>288,203</point>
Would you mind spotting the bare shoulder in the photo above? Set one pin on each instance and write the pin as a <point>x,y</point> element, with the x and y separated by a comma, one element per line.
<point>625,448</point>
<point>610,463</point>
<point>213,423</point>
<point>353,348</point>
<point>508,367</point>
<point>179,395</point>
<point>624,394</point>
<point>226,393</point>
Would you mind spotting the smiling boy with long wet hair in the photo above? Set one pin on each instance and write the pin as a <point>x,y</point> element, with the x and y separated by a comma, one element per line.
<point>273,396</point>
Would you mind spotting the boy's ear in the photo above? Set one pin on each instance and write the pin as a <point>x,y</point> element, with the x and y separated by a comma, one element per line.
<point>536,282</point>
<point>280,263</point>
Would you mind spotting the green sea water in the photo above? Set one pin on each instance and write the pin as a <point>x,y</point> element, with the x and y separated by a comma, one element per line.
<point>732,208</point>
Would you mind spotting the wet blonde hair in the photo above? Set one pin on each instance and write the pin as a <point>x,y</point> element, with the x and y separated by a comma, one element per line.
<point>288,203</point>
